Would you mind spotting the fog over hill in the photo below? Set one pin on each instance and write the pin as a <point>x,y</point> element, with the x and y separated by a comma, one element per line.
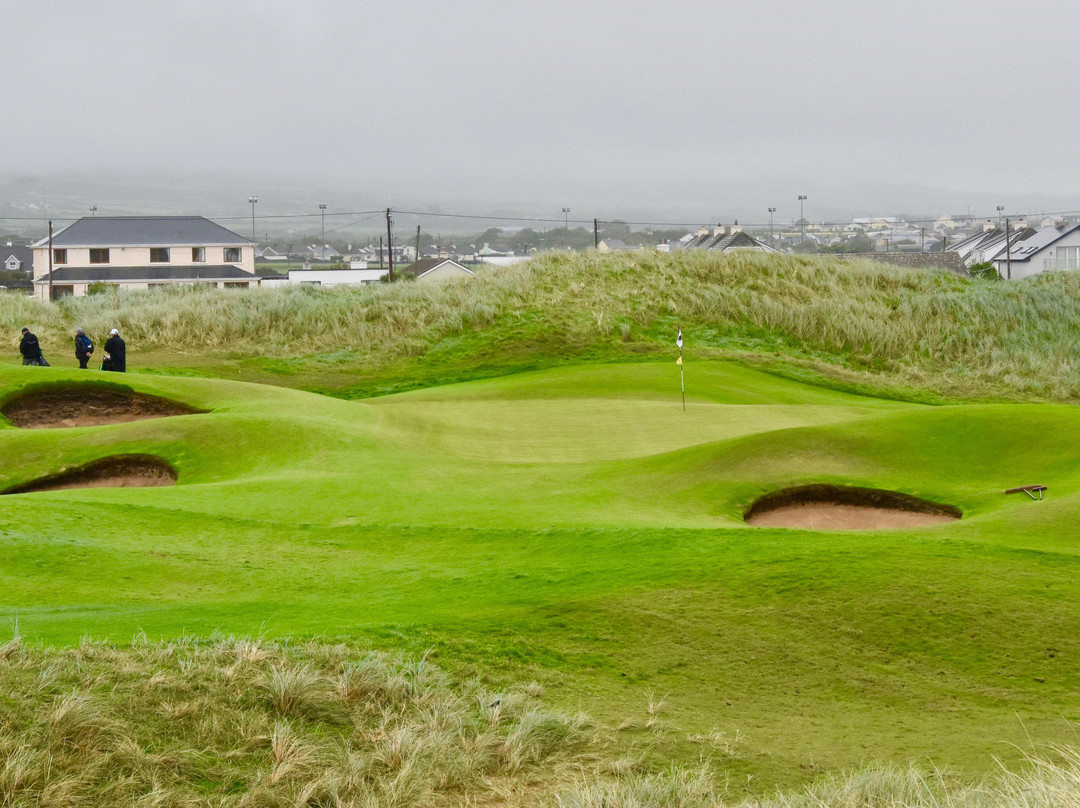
<point>289,206</point>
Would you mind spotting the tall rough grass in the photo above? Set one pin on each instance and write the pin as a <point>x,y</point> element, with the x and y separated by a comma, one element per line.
<point>912,326</point>
<point>1051,780</point>
<point>243,723</point>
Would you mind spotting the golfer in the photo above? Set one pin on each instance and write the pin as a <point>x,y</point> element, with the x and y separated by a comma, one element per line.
<point>115,353</point>
<point>30,349</point>
<point>84,346</point>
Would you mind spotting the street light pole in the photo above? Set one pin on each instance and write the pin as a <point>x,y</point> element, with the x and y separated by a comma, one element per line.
<point>253,199</point>
<point>802,219</point>
<point>771,212</point>
<point>322,212</point>
<point>566,218</point>
<point>1000,208</point>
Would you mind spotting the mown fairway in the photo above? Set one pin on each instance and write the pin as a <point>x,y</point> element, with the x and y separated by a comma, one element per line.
<point>576,526</point>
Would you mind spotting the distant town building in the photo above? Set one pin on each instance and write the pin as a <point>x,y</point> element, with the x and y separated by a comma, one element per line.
<point>15,258</point>
<point>1032,252</point>
<point>139,252</point>
<point>437,269</point>
<point>722,239</point>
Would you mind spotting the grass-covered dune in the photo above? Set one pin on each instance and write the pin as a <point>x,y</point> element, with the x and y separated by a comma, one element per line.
<point>571,524</point>
<point>914,329</point>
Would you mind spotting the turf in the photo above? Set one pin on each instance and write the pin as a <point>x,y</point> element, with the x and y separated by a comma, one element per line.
<point>578,526</point>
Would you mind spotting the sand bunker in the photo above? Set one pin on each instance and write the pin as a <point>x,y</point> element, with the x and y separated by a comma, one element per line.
<point>86,406</point>
<point>831,507</point>
<point>118,471</point>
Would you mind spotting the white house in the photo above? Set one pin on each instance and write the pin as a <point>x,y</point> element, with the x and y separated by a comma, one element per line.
<point>16,258</point>
<point>1046,250</point>
<point>337,277</point>
<point>138,252</point>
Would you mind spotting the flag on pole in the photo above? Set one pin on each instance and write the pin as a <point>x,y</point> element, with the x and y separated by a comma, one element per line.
<point>678,361</point>
<point>678,339</point>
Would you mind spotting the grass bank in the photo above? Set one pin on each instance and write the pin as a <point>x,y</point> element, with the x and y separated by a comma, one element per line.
<point>861,321</point>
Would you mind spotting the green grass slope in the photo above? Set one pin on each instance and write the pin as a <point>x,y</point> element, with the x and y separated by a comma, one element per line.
<point>922,332</point>
<point>577,526</point>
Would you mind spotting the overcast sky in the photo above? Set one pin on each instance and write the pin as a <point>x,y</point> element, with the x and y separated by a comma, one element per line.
<point>596,103</point>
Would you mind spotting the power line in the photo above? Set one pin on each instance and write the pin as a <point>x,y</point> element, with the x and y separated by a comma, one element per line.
<point>367,215</point>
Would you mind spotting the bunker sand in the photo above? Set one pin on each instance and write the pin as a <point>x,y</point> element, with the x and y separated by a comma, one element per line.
<point>87,406</point>
<point>834,516</point>
<point>829,507</point>
<point>118,471</point>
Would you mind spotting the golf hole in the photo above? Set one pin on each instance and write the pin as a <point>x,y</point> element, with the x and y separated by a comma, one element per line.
<point>832,507</point>
<point>87,406</point>
<point>118,471</point>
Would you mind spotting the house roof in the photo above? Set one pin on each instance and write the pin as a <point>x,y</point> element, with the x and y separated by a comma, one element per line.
<point>24,255</point>
<point>723,241</point>
<point>144,231</point>
<point>426,265</point>
<point>1026,246</point>
<point>157,272</point>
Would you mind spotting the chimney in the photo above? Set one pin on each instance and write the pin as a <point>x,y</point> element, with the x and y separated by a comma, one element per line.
<point>1021,224</point>
<point>703,231</point>
<point>736,228</point>
<point>989,226</point>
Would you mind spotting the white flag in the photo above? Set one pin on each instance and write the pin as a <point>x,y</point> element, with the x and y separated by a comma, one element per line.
<point>678,339</point>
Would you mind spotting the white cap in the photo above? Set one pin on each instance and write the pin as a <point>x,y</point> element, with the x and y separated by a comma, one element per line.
<point>114,331</point>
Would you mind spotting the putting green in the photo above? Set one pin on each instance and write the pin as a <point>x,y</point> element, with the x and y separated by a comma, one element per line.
<point>579,524</point>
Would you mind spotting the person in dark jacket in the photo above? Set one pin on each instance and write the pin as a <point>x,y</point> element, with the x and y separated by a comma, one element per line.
<point>115,353</point>
<point>30,348</point>
<point>84,346</point>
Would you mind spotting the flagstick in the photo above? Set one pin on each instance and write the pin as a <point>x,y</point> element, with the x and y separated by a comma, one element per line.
<point>682,378</point>
<point>682,381</point>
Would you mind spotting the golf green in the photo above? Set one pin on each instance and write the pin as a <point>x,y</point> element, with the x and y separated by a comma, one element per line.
<point>580,526</point>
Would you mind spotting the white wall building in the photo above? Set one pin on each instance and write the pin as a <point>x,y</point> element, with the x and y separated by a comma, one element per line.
<point>138,252</point>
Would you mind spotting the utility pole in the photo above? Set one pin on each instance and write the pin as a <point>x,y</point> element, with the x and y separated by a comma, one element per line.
<point>595,233</point>
<point>390,245</point>
<point>1008,253</point>
<point>418,242</point>
<point>50,260</point>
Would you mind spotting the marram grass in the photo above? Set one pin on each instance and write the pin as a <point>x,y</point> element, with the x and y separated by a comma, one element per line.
<point>246,723</point>
<point>242,722</point>
<point>912,327</point>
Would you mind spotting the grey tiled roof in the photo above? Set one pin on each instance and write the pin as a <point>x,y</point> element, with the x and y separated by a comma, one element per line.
<point>144,231</point>
<point>1023,244</point>
<point>149,273</point>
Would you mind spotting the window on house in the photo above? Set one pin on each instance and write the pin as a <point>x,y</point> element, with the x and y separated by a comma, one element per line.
<point>1068,257</point>
<point>99,255</point>
<point>230,285</point>
<point>232,255</point>
<point>159,255</point>
<point>198,255</point>
<point>59,291</point>
<point>59,256</point>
